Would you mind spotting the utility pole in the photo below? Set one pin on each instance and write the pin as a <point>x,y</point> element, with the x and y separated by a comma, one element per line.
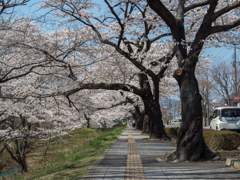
<point>234,63</point>
<point>235,67</point>
<point>208,122</point>
<point>174,110</point>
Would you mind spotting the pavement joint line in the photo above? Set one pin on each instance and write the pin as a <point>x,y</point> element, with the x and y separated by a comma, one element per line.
<point>105,173</point>
<point>148,148</point>
<point>205,174</point>
<point>183,172</point>
<point>164,173</point>
<point>134,167</point>
<point>228,176</point>
<point>117,148</point>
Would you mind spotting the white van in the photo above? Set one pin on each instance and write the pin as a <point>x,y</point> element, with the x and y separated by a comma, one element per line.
<point>226,118</point>
<point>176,122</point>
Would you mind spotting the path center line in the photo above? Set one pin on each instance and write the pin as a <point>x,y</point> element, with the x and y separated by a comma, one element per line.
<point>134,167</point>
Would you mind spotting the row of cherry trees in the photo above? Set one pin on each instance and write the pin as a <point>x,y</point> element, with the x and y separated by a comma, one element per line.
<point>35,64</point>
<point>39,72</point>
<point>133,28</point>
<point>129,48</point>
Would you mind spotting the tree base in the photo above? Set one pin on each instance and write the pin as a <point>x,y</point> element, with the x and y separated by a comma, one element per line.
<point>171,157</point>
<point>144,134</point>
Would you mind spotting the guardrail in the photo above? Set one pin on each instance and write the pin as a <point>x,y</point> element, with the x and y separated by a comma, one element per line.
<point>10,172</point>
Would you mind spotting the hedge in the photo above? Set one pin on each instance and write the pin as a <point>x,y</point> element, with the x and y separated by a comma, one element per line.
<point>222,140</point>
<point>117,125</point>
<point>216,140</point>
<point>172,132</point>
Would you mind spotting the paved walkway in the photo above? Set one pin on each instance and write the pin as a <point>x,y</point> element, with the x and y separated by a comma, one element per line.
<point>134,157</point>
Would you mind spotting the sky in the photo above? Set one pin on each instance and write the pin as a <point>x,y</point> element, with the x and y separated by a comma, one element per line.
<point>222,54</point>
<point>29,8</point>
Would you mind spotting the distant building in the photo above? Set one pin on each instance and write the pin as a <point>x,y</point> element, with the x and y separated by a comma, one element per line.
<point>171,108</point>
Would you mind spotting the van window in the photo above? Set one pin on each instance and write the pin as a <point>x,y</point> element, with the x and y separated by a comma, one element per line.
<point>231,113</point>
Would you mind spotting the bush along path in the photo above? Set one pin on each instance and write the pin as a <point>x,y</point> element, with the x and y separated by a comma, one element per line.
<point>216,140</point>
<point>71,156</point>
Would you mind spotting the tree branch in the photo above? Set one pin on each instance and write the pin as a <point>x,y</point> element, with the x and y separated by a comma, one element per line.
<point>5,79</point>
<point>4,146</point>
<point>11,154</point>
<point>106,86</point>
<point>226,27</point>
<point>128,100</point>
<point>163,12</point>
<point>10,5</point>
<point>119,22</point>
<point>167,61</point>
<point>225,10</point>
<point>159,37</point>
<point>195,5</point>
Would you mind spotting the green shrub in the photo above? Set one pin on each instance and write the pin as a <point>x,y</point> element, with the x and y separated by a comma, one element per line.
<point>118,125</point>
<point>216,140</point>
<point>172,132</point>
<point>225,140</point>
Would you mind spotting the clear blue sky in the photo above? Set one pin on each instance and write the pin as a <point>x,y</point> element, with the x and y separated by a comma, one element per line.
<point>29,9</point>
<point>223,54</point>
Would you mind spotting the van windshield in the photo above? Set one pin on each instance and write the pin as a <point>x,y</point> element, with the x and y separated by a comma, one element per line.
<point>231,113</point>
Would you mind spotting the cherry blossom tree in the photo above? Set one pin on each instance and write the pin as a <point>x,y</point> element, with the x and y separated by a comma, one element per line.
<point>192,24</point>
<point>131,30</point>
<point>24,75</point>
<point>106,106</point>
<point>21,121</point>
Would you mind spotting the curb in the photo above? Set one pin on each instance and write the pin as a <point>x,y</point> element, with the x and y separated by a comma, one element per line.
<point>233,161</point>
<point>230,161</point>
<point>236,164</point>
<point>230,153</point>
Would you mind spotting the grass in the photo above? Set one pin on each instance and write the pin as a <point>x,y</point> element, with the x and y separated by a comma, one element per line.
<point>71,156</point>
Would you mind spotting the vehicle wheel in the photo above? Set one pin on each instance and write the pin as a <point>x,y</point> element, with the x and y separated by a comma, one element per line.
<point>210,127</point>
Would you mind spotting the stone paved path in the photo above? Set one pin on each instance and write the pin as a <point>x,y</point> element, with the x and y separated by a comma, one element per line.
<point>133,157</point>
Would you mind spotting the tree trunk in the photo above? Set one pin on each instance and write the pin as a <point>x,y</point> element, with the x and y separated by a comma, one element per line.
<point>88,120</point>
<point>191,144</point>
<point>139,122</point>
<point>21,154</point>
<point>152,109</point>
<point>19,157</point>
<point>23,164</point>
<point>138,118</point>
<point>146,125</point>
